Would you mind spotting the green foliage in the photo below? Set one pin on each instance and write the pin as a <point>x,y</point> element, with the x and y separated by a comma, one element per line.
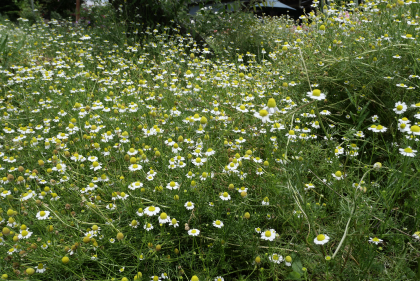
<point>99,126</point>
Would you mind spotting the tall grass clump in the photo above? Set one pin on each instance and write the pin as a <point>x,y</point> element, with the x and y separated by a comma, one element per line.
<point>155,157</point>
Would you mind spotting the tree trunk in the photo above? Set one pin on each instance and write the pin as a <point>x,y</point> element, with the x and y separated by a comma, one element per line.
<point>77,10</point>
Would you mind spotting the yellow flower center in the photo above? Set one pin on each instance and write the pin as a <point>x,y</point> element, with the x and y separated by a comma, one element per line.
<point>320,237</point>
<point>316,93</point>
<point>151,209</point>
<point>225,194</point>
<point>189,204</point>
<point>163,216</point>
<point>271,103</point>
<point>218,222</point>
<point>408,150</point>
<point>267,233</point>
<point>399,107</point>
<point>263,113</point>
<point>415,129</point>
<point>338,174</point>
<point>25,233</point>
<point>42,214</point>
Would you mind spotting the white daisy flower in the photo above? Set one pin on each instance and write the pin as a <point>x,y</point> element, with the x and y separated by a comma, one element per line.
<point>164,218</point>
<point>408,151</point>
<point>43,215</point>
<point>194,232</point>
<point>268,235</point>
<point>218,224</point>
<point>152,210</point>
<point>321,239</point>
<point>375,240</point>
<point>189,205</point>
<point>316,95</point>
<point>276,258</point>
<point>400,107</point>
<point>172,185</point>
<point>225,196</point>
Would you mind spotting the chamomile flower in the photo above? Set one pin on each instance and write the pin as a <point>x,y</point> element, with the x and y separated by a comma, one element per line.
<point>242,109</point>
<point>111,206</point>
<point>174,223</point>
<point>268,235</point>
<point>377,128</point>
<point>375,118</point>
<point>415,130</point>
<point>135,167</point>
<point>193,232</point>
<point>288,260</point>
<point>225,196</point>
<point>199,161</point>
<point>189,205</point>
<point>375,240</point>
<point>148,226</point>
<point>135,185</point>
<point>309,186</point>
<point>265,202</point>
<point>400,107</point>
<point>164,218</point>
<point>321,239</point>
<point>408,151</point>
<point>218,224</point>
<point>276,258</point>
<point>263,115</point>
<point>25,234</point>
<point>43,215</point>
<point>152,210</point>
<point>172,185</point>
<point>41,268</point>
<point>134,224</point>
<point>316,95</point>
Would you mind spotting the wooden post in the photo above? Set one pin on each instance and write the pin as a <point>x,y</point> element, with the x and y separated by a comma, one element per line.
<point>77,10</point>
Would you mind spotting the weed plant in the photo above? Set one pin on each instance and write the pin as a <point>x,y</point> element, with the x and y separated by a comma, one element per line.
<point>164,159</point>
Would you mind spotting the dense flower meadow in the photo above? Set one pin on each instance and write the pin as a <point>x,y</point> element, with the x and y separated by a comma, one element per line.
<point>161,158</point>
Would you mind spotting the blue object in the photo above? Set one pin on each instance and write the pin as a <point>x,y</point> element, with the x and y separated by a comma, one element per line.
<point>231,6</point>
<point>274,4</point>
